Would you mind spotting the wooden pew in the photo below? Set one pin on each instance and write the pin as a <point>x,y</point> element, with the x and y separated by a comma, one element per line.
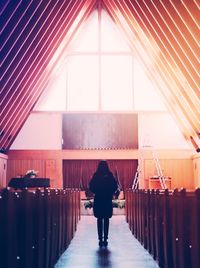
<point>36,226</point>
<point>167,225</point>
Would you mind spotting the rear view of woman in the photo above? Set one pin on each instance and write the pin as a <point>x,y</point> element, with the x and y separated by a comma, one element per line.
<point>103,185</point>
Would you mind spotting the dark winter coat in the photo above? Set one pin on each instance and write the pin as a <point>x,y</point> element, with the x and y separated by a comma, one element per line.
<point>103,186</point>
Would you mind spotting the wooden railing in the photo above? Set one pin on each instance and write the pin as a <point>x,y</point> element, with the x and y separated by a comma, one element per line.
<point>167,224</point>
<point>36,226</point>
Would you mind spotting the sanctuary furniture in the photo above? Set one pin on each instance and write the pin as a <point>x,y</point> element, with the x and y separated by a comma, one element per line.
<point>20,183</point>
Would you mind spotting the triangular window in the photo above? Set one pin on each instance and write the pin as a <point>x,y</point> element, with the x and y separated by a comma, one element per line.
<point>99,74</point>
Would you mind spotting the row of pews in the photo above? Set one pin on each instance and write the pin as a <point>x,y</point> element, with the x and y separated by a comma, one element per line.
<point>36,227</point>
<point>167,224</point>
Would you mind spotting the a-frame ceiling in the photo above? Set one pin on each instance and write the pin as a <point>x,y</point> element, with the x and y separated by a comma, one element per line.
<point>163,34</point>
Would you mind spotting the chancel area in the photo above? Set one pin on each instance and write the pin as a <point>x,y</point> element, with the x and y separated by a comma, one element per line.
<point>86,81</point>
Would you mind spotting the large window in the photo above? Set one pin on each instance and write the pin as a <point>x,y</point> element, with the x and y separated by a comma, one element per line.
<point>99,74</point>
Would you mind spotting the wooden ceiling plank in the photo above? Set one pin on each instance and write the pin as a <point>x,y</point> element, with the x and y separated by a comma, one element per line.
<point>165,21</point>
<point>193,8</point>
<point>12,74</point>
<point>15,25</point>
<point>6,62</point>
<point>3,9</point>
<point>185,25</point>
<point>5,21</point>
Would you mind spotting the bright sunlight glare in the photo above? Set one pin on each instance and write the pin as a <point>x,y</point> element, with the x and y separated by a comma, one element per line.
<point>105,78</point>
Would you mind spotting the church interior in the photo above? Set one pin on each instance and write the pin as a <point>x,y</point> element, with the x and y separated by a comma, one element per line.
<point>90,80</point>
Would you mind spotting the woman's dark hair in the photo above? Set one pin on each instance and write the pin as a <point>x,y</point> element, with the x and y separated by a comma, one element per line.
<point>103,167</point>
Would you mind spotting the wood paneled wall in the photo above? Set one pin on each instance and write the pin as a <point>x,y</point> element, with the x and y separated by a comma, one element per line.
<point>176,164</point>
<point>179,170</point>
<point>3,168</point>
<point>46,163</point>
<point>196,168</point>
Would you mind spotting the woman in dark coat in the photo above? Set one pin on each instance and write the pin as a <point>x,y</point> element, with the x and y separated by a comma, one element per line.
<point>103,185</point>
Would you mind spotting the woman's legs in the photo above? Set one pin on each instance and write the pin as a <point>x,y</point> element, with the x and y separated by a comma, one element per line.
<point>100,230</point>
<point>105,230</point>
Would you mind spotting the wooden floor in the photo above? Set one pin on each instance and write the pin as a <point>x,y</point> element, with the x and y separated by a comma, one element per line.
<point>123,250</point>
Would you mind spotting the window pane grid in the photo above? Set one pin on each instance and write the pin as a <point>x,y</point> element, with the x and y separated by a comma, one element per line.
<point>100,74</point>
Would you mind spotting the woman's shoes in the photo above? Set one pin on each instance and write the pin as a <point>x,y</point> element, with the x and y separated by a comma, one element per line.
<point>103,243</point>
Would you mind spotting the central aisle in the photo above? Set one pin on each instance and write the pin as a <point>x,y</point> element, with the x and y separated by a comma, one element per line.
<point>123,250</point>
